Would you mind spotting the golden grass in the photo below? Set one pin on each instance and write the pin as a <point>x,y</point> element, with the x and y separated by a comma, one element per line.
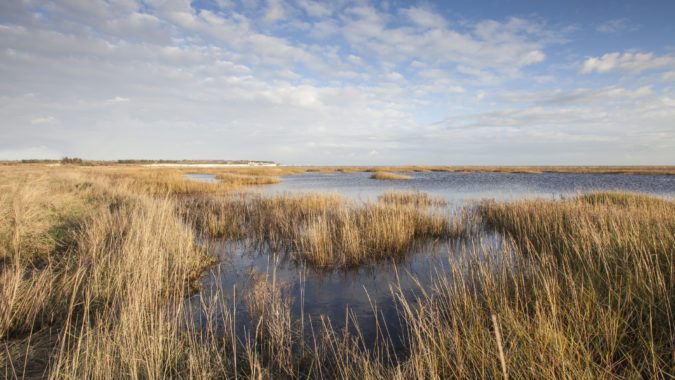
<point>96,263</point>
<point>83,296</point>
<point>328,230</point>
<point>388,175</point>
<point>598,299</point>
<point>242,180</point>
<point>412,198</point>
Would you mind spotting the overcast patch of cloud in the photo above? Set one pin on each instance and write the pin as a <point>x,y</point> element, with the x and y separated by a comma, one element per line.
<point>627,62</point>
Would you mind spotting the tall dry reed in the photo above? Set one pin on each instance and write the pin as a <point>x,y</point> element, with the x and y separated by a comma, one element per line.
<point>328,230</point>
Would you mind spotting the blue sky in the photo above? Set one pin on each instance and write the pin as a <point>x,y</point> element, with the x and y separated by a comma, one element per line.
<point>340,82</point>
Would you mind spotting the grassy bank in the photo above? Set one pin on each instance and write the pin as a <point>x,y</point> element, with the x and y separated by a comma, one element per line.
<point>95,265</point>
<point>88,270</point>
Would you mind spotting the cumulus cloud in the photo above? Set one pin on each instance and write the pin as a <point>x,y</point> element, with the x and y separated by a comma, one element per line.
<point>627,62</point>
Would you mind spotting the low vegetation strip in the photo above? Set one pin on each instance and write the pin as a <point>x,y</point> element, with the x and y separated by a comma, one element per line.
<point>413,198</point>
<point>388,175</point>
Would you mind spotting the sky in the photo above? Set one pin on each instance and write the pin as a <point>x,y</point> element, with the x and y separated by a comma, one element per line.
<point>344,82</point>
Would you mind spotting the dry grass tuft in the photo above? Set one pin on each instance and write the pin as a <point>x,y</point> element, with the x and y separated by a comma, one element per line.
<point>328,230</point>
<point>412,198</point>
<point>388,175</point>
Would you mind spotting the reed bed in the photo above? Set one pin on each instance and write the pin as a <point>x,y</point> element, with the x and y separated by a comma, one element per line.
<point>388,175</point>
<point>412,198</point>
<point>242,180</point>
<point>173,182</point>
<point>87,270</point>
<point>599,302</point>
<point>328,230</point>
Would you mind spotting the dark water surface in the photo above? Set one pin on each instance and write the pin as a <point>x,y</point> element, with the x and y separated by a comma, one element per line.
<point>359,291</point>
<point>362,292</point>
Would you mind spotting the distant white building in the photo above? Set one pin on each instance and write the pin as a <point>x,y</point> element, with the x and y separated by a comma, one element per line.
<point>206,165</point>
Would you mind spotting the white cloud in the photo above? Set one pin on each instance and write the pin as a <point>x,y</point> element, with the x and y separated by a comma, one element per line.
<point>275,11</point>
<point>314,8</point>
<point>615,26</point>
<point>535,56</point>
<point>628,62</point>
<point>425,18</point>
<point>43,120</point>
<point>118,99</point>
<point>583,97</point>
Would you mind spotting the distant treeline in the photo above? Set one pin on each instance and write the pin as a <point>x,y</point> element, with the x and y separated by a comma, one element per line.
<point>72,161</point>
<point>80,161</point>
<point>39,161</point>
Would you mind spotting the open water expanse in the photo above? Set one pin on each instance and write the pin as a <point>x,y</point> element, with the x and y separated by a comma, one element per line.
<point>458,187</point>
<point>360,291</point>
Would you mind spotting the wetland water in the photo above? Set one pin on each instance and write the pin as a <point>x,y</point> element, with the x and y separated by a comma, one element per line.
<point>462,187</point>
<point>357,291</point>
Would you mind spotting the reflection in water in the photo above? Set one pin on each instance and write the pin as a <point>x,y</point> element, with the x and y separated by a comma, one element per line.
<point>336,292</point>
<point>201,177</point>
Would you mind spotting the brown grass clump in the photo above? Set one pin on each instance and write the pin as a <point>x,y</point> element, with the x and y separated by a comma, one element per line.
<point>327,230</point>
<point>270,313</point>
<point>598,297</point>
<point>173,182</point>
<point>86,298</point>
<point>242,180</point>
<point>388,175</point>
<point>413,198</point>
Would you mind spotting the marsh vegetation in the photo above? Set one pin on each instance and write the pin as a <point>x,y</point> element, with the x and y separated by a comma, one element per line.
<point>96,264</point>
<point>388,175</point>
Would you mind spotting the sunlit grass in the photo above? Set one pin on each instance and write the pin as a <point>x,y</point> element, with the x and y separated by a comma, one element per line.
<point>388,175</point>
<point>328,230</point>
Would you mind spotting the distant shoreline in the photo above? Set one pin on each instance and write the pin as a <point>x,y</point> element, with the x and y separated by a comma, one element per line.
<point>174,165</point>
